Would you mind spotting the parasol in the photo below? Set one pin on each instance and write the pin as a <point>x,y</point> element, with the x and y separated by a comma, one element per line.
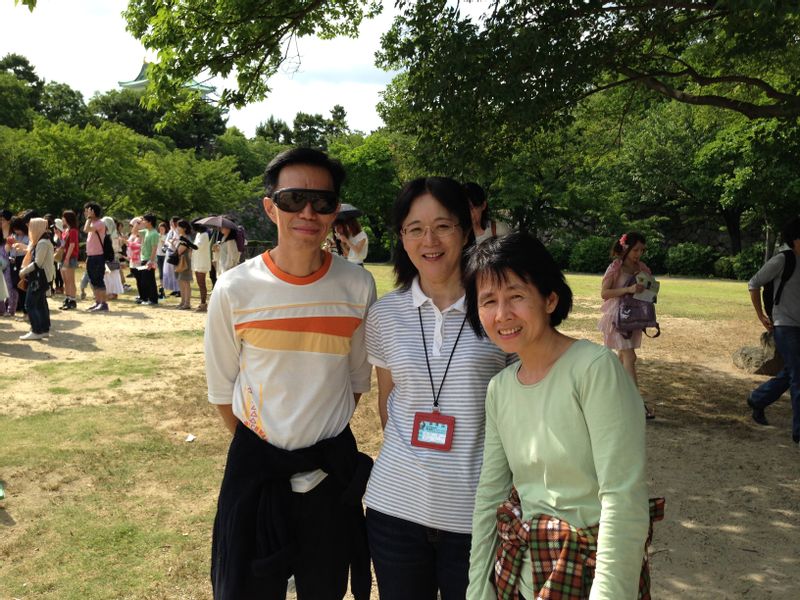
<point>216,222</point>
<point>347,211</point>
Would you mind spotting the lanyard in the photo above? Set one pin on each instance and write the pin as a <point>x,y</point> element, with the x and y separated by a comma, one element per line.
<point>427,361</point>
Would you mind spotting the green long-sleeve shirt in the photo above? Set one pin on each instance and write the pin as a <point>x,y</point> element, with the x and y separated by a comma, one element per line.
<point>573,445</point>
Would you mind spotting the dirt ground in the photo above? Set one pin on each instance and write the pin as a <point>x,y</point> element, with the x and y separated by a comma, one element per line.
<point>732,526</point>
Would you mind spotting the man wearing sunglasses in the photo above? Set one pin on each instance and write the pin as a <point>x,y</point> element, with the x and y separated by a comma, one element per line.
<point>286,363</point>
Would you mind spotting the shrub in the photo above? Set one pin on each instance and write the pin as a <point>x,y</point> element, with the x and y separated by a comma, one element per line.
<point>560,252</point>
<point>590,255</point>
<point>723,268</point>
<point>655,257</point>
<point>748,261</point>
<point>689,258</point>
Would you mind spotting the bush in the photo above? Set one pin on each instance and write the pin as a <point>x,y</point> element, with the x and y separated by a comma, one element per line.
<point>560,252</point>
<point>723,268</point>
<point>590,255</point>
<point>655,257</point>
<point>689,258</point>
<point>748,261</point>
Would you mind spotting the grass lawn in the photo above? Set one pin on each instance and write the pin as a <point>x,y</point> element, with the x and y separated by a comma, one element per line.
<point>106,499</point>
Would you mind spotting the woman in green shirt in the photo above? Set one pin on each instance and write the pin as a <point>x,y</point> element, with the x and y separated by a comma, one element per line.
<point>564,427</point>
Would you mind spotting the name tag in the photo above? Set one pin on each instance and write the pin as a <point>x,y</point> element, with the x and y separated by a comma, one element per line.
<point>433,430</point>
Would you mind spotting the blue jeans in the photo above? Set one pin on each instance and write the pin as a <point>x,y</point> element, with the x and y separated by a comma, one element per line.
<point>787,343</point>
<point>38,311</point>
<point>412,561</point>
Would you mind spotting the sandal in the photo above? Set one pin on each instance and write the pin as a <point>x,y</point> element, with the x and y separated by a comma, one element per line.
<point>649,413</point>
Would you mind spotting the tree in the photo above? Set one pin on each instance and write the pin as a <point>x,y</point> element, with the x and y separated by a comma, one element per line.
<point>250,38</point>
<point>309,130</point>
<point>528,58</point>
<point>60,103</point>
<point>15,107</point>
<point>274,130</point>
<point>19,66</point>
<point>195,127</point>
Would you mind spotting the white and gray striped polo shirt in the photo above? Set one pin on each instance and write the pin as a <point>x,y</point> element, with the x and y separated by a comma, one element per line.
<point>429,487</point>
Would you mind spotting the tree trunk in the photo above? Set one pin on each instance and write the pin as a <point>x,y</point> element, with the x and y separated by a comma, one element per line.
<point>769,243</point>
<point>733,223</point>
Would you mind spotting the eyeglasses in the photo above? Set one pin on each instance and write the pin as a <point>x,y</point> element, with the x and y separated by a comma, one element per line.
<point>440,230</point>
<point>294,200</point>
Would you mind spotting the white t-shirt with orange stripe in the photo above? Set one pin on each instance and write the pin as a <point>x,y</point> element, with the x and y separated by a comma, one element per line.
<point>288,352</point>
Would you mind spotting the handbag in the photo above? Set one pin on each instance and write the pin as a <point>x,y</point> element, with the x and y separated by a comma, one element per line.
<point>183,264</point>
<point>58,255</point>
<point>173,258</point>
<point>113,265</point>
<point>635,315</point>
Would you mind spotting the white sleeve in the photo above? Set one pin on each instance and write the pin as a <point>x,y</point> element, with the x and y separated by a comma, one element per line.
<point>222,349</point>
<point>360,368</point>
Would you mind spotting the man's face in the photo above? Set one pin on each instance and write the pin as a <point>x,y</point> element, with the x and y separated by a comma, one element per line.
<point>306,229</point>
<point>88,212</point>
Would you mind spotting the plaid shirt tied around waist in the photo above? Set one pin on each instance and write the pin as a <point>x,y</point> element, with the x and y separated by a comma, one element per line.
<point>562,556</point>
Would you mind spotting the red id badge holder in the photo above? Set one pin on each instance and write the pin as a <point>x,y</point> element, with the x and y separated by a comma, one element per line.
<point>433,430</point>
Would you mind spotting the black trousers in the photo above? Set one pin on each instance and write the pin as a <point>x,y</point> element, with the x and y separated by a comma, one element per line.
<point>321,556</point>
<point>146,282</point>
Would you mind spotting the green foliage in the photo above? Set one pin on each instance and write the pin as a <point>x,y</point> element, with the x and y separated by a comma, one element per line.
<point>61,104</point>
<point>274,130</point>
<point>15,108</point>
<point>590,255</point>
<point>249,38</point>
<point>689,258</point>
<point>21,68</point>
<point>748,261</point>
<point>723,268</point>
<point>560,253</point>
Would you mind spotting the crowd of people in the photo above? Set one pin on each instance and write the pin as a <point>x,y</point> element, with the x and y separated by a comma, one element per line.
<point>513,458</point>
<point>39,257</point>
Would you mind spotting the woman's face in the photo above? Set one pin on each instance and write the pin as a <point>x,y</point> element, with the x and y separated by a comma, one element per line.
<point>476,212</point>
<point>436,257</point>
<point>182,231</point>
<point>225,230</point>
<point>635,254</point>
<point>513,312</point>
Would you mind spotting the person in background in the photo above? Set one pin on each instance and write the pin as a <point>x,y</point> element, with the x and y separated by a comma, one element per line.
<point>17,247</point>
<point>619,280</point>
<point>226,250</point>
<point>95,262</point>
<point>355,244</point>
<point>161,255</point>
<point>170,280</point>
<point>8,305</point>
<point>483,226</point>
<point>563,481</point>
<point>39,270</point>
<point>785,326</point>
<point>430,369</point>
<point>149,261</point>
<point>58,255</point>
<point>70,239</point>
<point>201,263</point>
<point>113,274</point>
<point>185,249</point>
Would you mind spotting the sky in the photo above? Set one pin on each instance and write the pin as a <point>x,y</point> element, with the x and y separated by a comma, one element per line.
<point>85,45</point>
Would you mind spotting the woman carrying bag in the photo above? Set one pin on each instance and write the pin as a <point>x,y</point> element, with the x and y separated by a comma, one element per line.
<point>38,270</point>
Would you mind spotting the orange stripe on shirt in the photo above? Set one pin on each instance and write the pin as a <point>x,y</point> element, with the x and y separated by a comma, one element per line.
<point>293,341</point>
<point>342,326</point>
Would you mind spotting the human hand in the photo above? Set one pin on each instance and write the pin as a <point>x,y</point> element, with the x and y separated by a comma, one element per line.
<point>639,288</point>
<point>766,322</point>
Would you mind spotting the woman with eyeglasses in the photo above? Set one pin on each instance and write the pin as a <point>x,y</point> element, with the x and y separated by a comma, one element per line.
<point>432,373</point>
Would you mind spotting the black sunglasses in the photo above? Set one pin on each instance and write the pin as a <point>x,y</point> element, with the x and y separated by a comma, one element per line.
<point>294,200</point>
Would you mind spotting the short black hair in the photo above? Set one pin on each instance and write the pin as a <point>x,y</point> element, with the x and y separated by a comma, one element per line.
<point>98,211</point>
<point>791,231</point>
<point>525,256</point>
<point>6,214</point>
<point>450,194</point>
<point>19,224</point>
<point>70,218</point>
<point>150,218</point>
<point>185,225</point>
<point>199,228</point>
<point>303,156</point>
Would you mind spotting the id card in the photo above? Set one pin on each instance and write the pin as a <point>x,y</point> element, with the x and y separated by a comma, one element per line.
<point>433,430</point>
